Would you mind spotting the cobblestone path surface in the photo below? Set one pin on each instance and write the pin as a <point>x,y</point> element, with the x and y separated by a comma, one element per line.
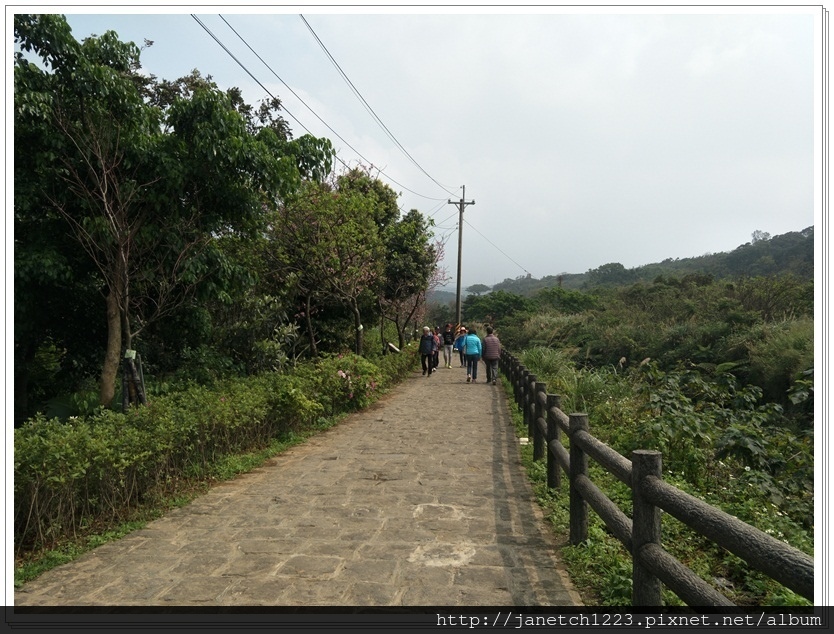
<point>419,501</point>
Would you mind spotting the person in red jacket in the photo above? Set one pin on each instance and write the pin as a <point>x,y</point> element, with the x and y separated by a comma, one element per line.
<point>492,352</point>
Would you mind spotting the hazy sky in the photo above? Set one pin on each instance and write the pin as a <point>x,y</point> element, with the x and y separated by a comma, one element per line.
<point>583,138</point>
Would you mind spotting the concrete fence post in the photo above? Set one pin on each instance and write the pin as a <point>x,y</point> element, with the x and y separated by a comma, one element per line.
<point>538,412</point>
<point>522,387</point>
<point>554,473</point>
<point>529,394</point>
<point>578,468</point>
<point>646,587</point>
<point>519,383</point>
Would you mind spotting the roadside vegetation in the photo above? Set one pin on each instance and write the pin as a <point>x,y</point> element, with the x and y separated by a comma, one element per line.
<point>92,478</point>
<point>717,375</point>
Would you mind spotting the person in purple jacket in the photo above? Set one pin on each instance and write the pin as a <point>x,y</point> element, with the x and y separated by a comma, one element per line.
<point>491,352</point>
<point>472,352</point>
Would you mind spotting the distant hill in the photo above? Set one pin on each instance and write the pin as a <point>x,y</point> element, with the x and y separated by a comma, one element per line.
<point>787,253</point>
<point>443,297</point>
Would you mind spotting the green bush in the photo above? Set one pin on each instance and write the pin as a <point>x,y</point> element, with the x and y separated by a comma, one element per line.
<point>551,330</point>
<point>779,354</point>
<point>343,382</point>
<point>552,364</point>
<point>91,471</point>
<point>395,367</point>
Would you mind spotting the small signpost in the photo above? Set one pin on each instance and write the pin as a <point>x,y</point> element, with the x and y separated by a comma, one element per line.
<point>133,382</point>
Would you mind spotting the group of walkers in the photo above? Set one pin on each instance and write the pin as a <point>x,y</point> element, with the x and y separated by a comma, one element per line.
<point>471,350</point>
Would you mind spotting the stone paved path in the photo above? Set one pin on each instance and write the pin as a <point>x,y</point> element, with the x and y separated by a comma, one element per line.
<point>419,501</point>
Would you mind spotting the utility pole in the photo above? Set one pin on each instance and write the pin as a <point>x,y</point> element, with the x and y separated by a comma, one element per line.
<point>461,204</point>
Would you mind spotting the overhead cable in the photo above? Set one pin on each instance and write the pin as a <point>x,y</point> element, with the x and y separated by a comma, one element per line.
<point>359,154</point>
<point>248,72</point>
<point>255,79</point>
<point>368,107</point>
<point>504,254</point>
<point>447,219</point>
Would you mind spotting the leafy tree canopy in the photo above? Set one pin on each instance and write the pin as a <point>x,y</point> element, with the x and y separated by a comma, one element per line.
<point>495,306</point>
<point>146,177</point>
<point>478,289</point>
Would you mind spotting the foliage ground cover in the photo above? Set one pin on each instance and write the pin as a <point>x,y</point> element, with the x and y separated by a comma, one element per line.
<point>714,368</point>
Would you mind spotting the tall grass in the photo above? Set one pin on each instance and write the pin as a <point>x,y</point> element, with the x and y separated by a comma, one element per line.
<point>645,407</point>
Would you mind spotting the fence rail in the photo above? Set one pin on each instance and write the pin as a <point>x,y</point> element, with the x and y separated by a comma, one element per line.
<point>640,534</point>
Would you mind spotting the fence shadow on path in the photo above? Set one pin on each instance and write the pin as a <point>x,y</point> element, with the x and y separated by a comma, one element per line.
<point>521,523</point>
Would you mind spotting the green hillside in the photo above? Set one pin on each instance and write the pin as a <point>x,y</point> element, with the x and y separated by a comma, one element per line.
<point>763,256</point>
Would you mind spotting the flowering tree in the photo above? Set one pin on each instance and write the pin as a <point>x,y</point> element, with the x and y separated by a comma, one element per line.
<point>326,238</point>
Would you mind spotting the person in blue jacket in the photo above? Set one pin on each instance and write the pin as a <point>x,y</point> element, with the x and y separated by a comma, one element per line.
<point>472,351</point>
<point>458,345</point>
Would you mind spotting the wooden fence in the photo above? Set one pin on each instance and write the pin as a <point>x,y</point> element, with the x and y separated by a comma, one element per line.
<point>651,564</point>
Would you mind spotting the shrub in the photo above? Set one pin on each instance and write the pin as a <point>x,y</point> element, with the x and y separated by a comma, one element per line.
<point>350,382</point>
<point>779,354</point>
<point>395,367</point>
<point>70,474</point>
<point>610,339</point>
<point>720,443</point>
<point>552,363</point>
<point>93,470</point>
<point>290,404</point>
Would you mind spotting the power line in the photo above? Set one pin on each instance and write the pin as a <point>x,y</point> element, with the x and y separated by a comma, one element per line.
<point>248,72</point>
<point>257,81</point>
<point>242,39</point>
<point>504,254</point>
<point>436,208</point>
<point>447,219</point>
<point>451,230</point>
<point>368,107</point>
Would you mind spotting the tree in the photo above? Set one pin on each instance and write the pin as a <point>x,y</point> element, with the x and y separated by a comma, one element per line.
<point>52,279</point>
<point>478,289</point>
<point>759,236</point>
<point>82,124</point>
<point>495,306</point>
<point>328,241</point>
<point>145,190</point>
<point>564,300</point>
<point>410,261</point>
<point>381,198</point>
<point>612,273</point>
